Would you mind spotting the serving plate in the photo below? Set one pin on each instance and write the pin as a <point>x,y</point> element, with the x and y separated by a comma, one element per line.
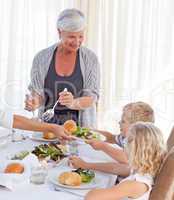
<point>53,177</point>
<point>38,136</point>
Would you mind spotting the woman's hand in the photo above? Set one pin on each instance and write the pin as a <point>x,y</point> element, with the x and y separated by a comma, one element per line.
<point>32,102</point>
<point>66,99</point>
<point>77,162</point>
<point>61,133</point>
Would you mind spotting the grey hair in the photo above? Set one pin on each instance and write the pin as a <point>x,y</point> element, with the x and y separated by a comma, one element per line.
<point>71,20</point>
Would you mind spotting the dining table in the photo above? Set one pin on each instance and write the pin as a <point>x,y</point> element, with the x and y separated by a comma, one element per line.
<point>47,191</point>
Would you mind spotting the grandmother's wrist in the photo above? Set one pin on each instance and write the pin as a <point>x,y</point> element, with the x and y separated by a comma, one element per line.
<point>75,104</point>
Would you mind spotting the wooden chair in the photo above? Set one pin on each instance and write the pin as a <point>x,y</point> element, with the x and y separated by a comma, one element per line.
<point>170,141</point>
<point>164,183</point>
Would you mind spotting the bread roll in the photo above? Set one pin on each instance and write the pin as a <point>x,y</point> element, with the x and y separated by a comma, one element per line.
<point>49,135</point>
<point>14,168</point>
<point>70,178</point>
<point>70,126</point>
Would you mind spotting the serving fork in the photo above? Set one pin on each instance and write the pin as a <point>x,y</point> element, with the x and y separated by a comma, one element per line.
<point>47,115</point>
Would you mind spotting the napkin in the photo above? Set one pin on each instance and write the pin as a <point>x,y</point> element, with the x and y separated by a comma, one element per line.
<point>12,181</point>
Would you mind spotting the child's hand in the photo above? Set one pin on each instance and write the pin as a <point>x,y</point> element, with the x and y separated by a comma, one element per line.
<point>77,162</point>
<point>96,144</point>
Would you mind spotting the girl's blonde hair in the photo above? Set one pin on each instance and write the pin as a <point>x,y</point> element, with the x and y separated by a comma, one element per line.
<point>145,148</point>
<point>139,111</point>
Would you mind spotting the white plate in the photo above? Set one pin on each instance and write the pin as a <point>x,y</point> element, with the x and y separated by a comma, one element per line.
<point>96,182</point>
<point>100,137</point>
<point>38,136</point>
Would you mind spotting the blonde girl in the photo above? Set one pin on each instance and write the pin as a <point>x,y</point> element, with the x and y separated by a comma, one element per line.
<point>145,150</point>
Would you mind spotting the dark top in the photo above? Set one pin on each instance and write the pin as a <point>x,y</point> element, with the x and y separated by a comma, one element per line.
<point>54,84</point>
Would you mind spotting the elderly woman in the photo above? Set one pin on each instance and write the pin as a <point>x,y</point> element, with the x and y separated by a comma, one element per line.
<point>69,65</point>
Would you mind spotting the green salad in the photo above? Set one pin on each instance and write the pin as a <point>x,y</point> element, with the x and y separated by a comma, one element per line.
<point>85,133</point>
<point>52,150</point>
<point>21,155</point>
<point>86,175</point>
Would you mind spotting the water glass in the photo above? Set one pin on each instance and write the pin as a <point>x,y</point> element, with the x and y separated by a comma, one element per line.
<point>73,148</point>
<point>38,175</point>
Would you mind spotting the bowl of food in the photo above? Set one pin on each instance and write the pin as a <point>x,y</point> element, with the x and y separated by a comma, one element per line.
<point>14,168</point>
<point>13,173</point>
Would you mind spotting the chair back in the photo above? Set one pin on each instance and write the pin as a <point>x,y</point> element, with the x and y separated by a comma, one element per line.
<point>163,188</point>
<point>170,141</point>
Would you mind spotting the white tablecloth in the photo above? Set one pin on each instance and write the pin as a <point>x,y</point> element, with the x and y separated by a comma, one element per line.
<point>45,191</point>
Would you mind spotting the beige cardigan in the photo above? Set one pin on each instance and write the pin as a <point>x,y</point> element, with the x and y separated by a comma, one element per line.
<point>91,79</point>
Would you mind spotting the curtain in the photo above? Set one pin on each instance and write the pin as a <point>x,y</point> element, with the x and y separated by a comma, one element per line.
<point>133,39</point>
<point>27,26</point>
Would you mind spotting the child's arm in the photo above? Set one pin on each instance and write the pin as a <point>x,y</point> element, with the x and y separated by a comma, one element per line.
<point>131,189</point>
<point>114,152</point>
<point>110,167</point>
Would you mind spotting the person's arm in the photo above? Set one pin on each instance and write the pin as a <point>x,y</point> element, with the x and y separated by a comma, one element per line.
<point>66,98</point>
<point>114,152</point>
<point>21,122</point>
<point>131,189</point>
<point>110,167</point>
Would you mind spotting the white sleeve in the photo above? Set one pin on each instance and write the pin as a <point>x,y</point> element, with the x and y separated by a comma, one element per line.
<point>147,179</point>
<point>6,119</point>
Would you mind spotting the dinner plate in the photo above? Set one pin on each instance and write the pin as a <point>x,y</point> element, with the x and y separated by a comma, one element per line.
<point>96,181</point>
<point>38,136</point>
<point>99,137</point>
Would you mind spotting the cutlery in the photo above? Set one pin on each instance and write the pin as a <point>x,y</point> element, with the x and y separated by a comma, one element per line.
<point>46,116</point>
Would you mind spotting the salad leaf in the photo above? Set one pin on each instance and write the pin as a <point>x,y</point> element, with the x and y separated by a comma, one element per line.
<point>54,151</point>
<point>86,175</point>
<point>21,155</point>
<point>85,133</point>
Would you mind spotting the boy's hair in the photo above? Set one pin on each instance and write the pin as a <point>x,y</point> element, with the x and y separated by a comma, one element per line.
<point>139,111</point>
<point>145,148</point>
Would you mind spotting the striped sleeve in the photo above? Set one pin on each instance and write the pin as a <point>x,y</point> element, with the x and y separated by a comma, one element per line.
<point>119,139</point>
